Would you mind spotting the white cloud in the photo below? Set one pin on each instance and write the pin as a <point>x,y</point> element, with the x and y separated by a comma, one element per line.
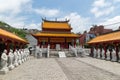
<point>101,8</point>
<point>12,6</point>
<point>112,23</point>
<point>47,12</point>
<point>102,12</point>
<point>101,3</point>
<point>34,26</point>
<point>14,21</point>
<point>10,10</point>
<point>116,0</point>
<point>78,23</point>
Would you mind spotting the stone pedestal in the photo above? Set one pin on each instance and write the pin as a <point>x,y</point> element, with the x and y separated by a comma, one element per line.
<point>3,63</point>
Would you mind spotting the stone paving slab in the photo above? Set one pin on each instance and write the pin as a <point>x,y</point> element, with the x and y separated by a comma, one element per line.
<point>113,67</point>
<point>76,70</point>
<point>36,69</point>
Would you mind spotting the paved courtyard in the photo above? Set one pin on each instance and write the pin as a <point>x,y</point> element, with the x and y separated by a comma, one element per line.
<point>65,69</point>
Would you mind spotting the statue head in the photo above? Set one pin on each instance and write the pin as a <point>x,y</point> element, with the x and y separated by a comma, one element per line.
<point>5,51</point>
<point>11,50</point>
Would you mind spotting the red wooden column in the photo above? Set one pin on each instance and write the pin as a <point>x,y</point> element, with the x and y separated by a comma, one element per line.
<point>14,46</point>
<point>65,43</point>
<point>7,47</point>
<point>101,51</point>
<point>37,43</point>
<point>49,41</point>
<point>97,49</point>
<point>111,52</point>
<point>74,42</point>
<point>91,51</point>
<point>105,51</point>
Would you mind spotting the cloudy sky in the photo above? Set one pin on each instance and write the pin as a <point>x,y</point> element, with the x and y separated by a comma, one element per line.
<point>82,13</point>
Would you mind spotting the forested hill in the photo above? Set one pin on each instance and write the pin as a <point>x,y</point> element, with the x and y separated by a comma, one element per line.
<point>18,32</point>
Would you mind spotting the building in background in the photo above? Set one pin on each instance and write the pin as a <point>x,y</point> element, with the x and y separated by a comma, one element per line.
<point>94,31</point>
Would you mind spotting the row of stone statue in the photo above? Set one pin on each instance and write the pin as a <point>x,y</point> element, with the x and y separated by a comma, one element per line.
<point>13,59</point>
<point>110,55</point>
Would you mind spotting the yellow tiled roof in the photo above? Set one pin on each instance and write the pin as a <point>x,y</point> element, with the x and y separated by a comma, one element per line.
<point>55,35</point>
<point>56,25</point>
<point>11,36</point>
<point>105,38</point>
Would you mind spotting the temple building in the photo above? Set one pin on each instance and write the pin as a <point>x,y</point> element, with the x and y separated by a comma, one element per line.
<point>56,33</point>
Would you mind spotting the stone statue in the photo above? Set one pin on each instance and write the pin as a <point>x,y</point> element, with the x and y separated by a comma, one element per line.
<point>98,53</point>
<point>108,54</point>
<point>3,63</point>
<point>119,55</point>
<point>103,54</point>
<point>22,55</point>
<point>16,58</point>
<point>19,57</point>
<point>10,60</point>
<point>26,54</point>
<point>114,58</point>
<point>95,53</point>
<point>48,51</point>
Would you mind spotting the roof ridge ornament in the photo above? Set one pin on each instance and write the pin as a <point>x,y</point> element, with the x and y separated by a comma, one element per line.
<point>45,20</point>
